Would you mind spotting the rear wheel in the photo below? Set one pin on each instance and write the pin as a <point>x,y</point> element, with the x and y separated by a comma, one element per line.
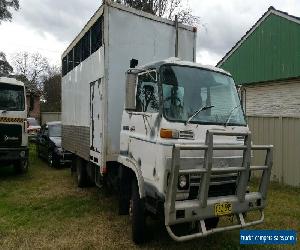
<point>81,172</point>
<point>21,166</point>
<point>138,215</point>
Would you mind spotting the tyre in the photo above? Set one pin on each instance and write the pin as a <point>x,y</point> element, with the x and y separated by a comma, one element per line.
<point>50,159</point>
<point>138,215</point>
<point>82,179</point>
<point>123,206</point>
<point>124,190</point>
<point>21,166</point>
<point>53,160</point>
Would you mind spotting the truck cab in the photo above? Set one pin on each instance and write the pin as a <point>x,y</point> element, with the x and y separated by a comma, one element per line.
<point>185,138</point>
<point>13,125</point>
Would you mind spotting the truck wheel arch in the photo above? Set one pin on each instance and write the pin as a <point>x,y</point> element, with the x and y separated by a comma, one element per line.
<point>133,166</point>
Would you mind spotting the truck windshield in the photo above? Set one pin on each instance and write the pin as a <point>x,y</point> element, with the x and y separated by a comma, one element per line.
<point>54,130</point>
<point>12,97</point>
<point>187,91</point>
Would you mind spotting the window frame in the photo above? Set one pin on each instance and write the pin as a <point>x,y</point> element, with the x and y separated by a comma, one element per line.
<point>156,81</point>
<point>192,122</point>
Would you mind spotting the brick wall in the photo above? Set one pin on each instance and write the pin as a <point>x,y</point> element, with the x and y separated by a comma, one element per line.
<point>36,107</point>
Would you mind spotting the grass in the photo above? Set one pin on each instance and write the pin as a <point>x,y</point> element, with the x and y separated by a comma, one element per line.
<point>45,209</point>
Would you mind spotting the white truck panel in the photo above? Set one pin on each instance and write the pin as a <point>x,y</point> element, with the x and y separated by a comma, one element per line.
<point>133,36</point>
<point>76,90</point>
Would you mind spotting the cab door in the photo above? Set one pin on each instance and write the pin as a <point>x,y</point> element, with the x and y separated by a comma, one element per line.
<point>144,125</point>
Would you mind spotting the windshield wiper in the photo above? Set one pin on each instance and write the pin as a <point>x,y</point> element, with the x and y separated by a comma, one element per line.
<point>197,112</point>
<point>230,114</point>
<point>4,111</point>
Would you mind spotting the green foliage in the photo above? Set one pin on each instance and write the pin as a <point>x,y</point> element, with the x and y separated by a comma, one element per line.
<point>5,67</point>
<point>52,92</point>
<point>5,9</point>
<point>165,8</point>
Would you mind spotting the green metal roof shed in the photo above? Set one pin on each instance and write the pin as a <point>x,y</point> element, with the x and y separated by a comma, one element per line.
<point>269,51</point>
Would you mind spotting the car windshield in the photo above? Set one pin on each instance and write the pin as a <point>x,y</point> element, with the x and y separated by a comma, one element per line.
<point>54,130</point>
<point>200,96</point>
<point>12,97</point>
<point>32,122</point>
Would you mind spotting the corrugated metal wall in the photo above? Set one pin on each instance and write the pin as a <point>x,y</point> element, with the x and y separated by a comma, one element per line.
<point>271,52</point>
<point>284,134</point>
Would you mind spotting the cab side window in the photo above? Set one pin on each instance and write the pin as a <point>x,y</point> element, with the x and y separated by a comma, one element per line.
<point>147,93</point>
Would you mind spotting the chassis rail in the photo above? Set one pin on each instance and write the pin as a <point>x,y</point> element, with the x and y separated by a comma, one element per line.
<point>203,207</point>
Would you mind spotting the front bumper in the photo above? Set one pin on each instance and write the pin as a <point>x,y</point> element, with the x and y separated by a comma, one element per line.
<point>204,207</point>
<point>8,155</point>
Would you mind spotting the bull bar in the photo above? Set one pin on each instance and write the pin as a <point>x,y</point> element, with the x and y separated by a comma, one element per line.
<point>199,209</point>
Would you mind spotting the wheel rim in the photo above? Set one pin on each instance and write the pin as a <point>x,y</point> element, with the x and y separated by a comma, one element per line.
<point>50,159</point>
<point>130,207</point>
<point>25,165</point>
<point>78,172</point>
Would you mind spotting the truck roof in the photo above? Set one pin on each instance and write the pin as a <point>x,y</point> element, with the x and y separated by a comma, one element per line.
<point>128,9</point>
<point>177,61</point>
<point>11,81</point>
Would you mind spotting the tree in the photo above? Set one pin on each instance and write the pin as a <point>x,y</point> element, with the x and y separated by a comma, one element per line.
<point>32,69</point>
<point>5,15</point>
<point>52,90</point>
<point>164,8</point>
<point>5,6</point>
<point>5,68</point>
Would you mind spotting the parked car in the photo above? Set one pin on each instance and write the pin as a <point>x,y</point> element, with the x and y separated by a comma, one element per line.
<point>49,145</point>
<point>33,128</point>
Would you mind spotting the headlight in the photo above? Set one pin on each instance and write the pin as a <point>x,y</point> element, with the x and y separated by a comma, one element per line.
<point>183,182</point>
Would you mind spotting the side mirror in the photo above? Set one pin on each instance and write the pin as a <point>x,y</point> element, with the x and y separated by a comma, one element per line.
<point>131,81</point>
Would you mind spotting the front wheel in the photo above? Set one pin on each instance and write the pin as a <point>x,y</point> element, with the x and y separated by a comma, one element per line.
<point>50,159</point>
<point>53,160</point>
<point>21,166</point>
<point>138,215</point>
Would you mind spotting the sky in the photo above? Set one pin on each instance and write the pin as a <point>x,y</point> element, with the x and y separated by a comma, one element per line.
<point>48,26</point>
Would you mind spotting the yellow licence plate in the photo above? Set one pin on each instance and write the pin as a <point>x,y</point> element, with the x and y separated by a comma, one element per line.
<point>223,208</point>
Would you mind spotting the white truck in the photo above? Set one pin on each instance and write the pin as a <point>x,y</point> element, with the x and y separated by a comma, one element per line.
<point>171,134</point>
<point>13,125</point>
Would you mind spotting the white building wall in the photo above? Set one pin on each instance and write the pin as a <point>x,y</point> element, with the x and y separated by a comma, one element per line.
<point>274,99</point>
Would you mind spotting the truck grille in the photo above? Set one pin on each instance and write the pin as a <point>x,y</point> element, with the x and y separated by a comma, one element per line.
<point>186,134</point>
<point>10,135</point>
<point>221,185</point>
